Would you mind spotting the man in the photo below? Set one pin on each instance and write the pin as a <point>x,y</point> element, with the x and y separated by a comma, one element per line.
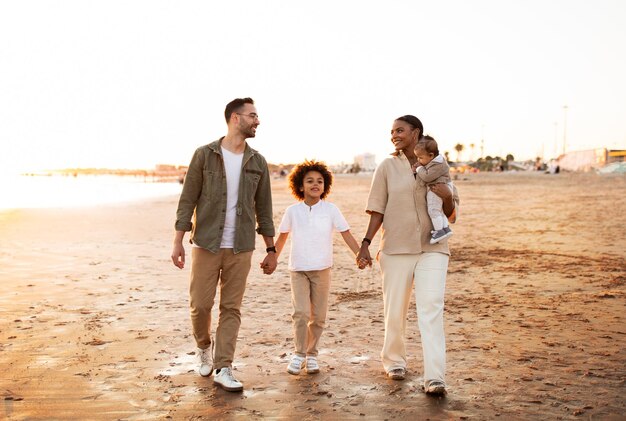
<point>227,185</point>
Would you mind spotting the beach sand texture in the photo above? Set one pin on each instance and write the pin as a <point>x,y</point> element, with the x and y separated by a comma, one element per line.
<point>94,320</point>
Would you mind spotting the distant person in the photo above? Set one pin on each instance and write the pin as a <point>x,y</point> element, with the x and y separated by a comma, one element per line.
<point>432,168</point>
<point>226,187</point>
<point>397,202</point>
<point>311,222</point>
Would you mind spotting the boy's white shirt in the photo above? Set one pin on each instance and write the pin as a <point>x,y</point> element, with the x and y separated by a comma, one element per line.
<point>311,229</point>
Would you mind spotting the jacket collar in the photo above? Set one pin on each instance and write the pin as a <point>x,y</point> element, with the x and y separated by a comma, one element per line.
<point>216,147</point>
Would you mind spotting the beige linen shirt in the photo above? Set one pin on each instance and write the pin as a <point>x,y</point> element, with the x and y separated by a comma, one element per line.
<point>401,198</point>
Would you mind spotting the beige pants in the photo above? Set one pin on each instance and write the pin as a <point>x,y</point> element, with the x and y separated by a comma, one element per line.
<point>309,296</point>
<point>231,271</point>
<point>428,271</point>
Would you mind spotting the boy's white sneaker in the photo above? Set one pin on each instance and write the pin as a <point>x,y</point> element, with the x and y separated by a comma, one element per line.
<point>311,365</point>
<point>224,378</point>
<point>295,365</point>
<point>206,360</point>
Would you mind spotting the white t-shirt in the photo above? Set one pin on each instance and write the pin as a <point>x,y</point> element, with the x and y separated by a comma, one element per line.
<point>232,165</point>
<point>311,231</point>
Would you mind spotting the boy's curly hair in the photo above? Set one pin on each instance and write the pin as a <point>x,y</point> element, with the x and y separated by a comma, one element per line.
<point>296,177</point>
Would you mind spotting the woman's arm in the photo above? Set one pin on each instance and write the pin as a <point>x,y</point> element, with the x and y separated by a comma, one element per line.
<point>376,220</point>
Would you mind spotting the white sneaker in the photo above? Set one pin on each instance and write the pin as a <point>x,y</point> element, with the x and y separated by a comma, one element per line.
<point>295,365</point>
<point>311,365</point>
<point>224,378</point>
<point>435,387</point>
<point>206,360</point>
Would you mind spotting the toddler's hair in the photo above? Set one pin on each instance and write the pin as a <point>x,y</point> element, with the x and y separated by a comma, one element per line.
<point>429,144</point>
<point>296,177</point>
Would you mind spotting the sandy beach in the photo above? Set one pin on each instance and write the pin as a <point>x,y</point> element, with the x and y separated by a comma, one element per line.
<point>94,321</point>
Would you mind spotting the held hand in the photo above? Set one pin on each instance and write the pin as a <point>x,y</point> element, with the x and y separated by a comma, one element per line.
<point>269,264</point>
<point>361,264</point>
<point>178,255</point>
<point>363,258</point>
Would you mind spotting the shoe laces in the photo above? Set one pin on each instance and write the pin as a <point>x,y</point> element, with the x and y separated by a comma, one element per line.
<point>204,356</point>
<point>228,372</point>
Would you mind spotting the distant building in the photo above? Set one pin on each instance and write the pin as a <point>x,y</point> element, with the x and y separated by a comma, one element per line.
<point>366,161</point>
<point>165,167</point>
<point>590,159</point>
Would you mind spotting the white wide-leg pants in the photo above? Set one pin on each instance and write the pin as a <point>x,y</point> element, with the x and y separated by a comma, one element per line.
<point>429,272</point>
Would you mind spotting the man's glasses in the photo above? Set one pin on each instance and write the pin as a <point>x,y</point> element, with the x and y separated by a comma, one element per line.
<point>253,116</point>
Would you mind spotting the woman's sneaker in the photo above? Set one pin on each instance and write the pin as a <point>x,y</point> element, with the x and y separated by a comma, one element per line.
<point>295,365</point>
<point>224,378</point>
<point>397,373</point>
<point>435,387</point>
<point>311,365</point>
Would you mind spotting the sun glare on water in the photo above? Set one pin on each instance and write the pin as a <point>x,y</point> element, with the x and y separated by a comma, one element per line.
<point>61,191</point>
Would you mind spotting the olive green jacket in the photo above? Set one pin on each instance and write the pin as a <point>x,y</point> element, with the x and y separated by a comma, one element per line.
<point>204,199</point>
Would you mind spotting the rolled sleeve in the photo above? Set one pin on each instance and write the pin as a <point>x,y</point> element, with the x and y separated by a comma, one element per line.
<point>378,197</point>
<point>192,188</point>
<point>263,205</point>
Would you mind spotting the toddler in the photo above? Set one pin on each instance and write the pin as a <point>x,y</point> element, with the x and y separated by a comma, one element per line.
<point>432,168</point>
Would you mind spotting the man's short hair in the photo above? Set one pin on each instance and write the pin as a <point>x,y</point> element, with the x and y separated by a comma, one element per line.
<point>236,105</point>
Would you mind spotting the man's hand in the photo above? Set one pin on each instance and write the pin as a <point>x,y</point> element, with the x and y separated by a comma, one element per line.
<point>178,255</point>
<point>269,263</point>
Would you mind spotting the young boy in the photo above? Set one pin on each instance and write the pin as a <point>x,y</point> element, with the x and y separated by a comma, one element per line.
<point>311,223</point>
<point>432,168</point>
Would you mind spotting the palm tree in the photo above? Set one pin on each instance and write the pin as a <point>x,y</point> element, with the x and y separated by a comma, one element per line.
<point>472,148</point>
<point>458,148</point>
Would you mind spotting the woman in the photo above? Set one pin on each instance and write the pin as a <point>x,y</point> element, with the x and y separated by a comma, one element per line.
<point>397,202</point>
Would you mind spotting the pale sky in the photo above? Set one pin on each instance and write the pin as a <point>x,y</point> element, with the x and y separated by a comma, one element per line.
<point>136,83</point>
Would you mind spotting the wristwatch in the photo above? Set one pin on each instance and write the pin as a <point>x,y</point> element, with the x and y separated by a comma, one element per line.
<point>269,249</point>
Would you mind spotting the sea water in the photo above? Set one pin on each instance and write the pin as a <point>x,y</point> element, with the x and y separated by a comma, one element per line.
<point>54,191</point>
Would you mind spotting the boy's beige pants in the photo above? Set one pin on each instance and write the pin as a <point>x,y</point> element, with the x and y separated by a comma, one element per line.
<point>309,296</point>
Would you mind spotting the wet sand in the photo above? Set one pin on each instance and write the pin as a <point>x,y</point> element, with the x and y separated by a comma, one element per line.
<point>94,317</point>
